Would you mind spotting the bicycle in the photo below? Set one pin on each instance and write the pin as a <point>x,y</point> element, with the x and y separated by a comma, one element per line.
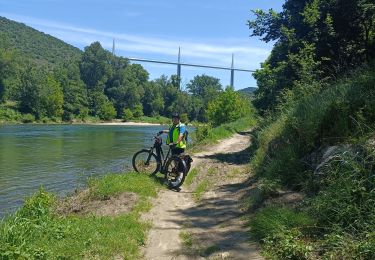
<point>174,167</point>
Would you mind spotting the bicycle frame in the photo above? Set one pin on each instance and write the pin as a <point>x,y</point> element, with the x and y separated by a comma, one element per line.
<point>162,161</point>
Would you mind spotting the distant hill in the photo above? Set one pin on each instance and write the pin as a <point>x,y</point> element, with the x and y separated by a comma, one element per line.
<point>247,91</point>
<point>35,45</point>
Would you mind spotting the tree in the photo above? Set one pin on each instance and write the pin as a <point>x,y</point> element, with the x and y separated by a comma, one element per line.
<point>95,65</point>
<point>8,67</point>
<point>152,101</point>
<point>316,40</point>
<point>106,111</point>
<point>228,106</point>
<point>74,90</point>
<point>40,93</point>
<point>127,114</point>
<point>204,88</point>
<point>126,87</point>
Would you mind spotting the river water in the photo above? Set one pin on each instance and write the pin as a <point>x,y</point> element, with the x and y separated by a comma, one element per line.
<point>61,157</point>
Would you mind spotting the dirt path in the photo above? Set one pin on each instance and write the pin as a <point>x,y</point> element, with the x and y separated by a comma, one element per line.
<point>211,228</point>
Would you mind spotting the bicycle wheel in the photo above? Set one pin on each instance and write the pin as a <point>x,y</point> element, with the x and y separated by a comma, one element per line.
<point>175,172</point>
<point>145,162</point>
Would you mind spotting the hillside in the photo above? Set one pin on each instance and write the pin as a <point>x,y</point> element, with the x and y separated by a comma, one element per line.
<point>38,46</point>
<point>247,92</point>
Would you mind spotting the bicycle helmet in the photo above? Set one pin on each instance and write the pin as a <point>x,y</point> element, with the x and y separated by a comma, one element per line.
<point>177,115</point>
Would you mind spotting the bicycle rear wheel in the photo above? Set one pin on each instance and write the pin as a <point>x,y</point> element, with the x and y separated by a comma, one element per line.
<point>145,162</point>
<point>175,172</point>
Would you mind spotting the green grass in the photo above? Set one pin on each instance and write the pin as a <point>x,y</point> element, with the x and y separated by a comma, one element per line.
<point>35,231</point>
<point>103,188</point>
<point>341,200</point>
<point>187,239</point>
<point>343,112</point>
<point>200,190</point>
<point>193,173</point>
<point>270,221</point>
<point>205,135</point>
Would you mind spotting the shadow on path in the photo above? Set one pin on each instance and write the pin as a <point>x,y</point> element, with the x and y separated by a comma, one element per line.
<point>219,224</point>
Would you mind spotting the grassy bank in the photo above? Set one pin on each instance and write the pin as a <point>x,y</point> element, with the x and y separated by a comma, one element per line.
<point>205,134</point>
<point>40,231</point>
<point>337,218</point>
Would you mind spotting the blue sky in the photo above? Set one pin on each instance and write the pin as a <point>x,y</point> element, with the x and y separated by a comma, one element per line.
<point>208,31</point>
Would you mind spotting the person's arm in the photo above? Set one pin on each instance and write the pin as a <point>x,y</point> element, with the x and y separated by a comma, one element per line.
<point>181,135</point>
<point>163,132</point>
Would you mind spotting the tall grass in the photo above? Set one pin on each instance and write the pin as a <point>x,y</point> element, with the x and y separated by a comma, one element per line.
<point>341,113</point>
<point>341,200</point>
<point>205,134</point>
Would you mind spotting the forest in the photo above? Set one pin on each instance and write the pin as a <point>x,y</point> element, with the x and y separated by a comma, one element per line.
<point>44,79</point>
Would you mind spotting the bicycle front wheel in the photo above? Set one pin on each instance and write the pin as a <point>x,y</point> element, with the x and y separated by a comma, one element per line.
<point>175,172</point>
<point>145,162</point>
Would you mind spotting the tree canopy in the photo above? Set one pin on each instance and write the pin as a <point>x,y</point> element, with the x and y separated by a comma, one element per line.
<point>315,40</point>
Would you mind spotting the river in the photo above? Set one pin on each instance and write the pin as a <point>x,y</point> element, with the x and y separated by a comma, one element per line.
<point>61,157</point>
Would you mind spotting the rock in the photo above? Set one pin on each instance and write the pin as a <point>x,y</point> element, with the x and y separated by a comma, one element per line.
<point>225,255</point>
<point>322,157</point>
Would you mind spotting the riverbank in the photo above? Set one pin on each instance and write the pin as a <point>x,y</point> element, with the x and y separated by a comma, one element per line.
<point>46,227</point>
<point>123,124</point>
<point>144,120</point>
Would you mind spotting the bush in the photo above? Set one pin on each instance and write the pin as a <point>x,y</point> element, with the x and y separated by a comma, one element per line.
<point>281,231</point>
<point>28,118</point>
<point>83,113</point>
<point>107,111</point>
<point>8,114</point>
<point>271,221</point>
<point>289,244</point>
<point>127,114</point>
<point>205,134</point>
<point>138,111</point>
<point>340,113</point>
<point>202,132</point>
<point>342,198</point>
<point>184,118</point>
<point>347,194</point>
<point>227,107</point>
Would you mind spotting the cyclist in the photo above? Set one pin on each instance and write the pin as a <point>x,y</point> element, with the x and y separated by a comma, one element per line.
<point>176,135</point>
<point>177,140</point>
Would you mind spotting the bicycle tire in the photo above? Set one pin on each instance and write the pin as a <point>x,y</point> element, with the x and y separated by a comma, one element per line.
<point>139,159</point>
<point>172,172</point>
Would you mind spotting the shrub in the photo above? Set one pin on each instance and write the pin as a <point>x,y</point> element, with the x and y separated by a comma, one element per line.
<point>127,114</point>
<point>270,221</point>
<point>347,195</point>
<point>340,113</point>
<point>289,244</point>
<point>227,107</point>
<point>28,118</point>
<point>184,118</point>
<point>138,111</point>
<point>107,111</point>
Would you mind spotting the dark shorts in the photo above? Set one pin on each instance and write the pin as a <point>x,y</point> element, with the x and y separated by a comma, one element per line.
<point>177,151</point>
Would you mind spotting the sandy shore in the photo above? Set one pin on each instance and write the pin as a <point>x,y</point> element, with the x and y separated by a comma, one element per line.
<point>126,123</point>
